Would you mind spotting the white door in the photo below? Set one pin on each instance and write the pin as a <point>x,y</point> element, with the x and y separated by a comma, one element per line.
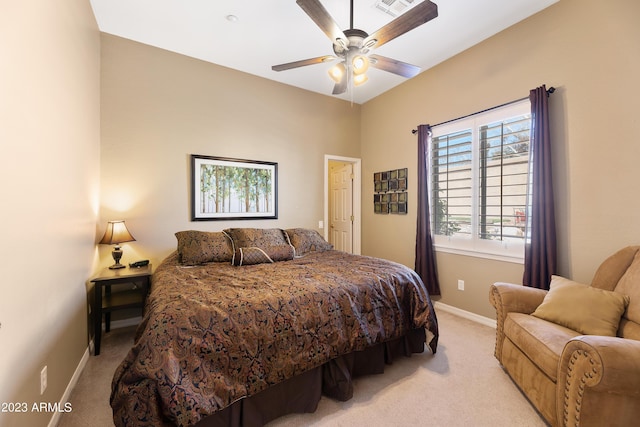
<point>341,204</point>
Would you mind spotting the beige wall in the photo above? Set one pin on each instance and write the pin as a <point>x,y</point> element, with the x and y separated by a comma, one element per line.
<point>49,172</point>
<point>590,51</point>
<point>159,107</point>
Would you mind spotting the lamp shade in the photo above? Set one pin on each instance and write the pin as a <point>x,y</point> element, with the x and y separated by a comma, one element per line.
<point>359,79</point>
<point>360,64</point>
<point>337,72</point>
<point>116,233</point>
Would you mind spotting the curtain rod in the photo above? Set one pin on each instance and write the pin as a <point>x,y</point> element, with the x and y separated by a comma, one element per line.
<point>549,92</point>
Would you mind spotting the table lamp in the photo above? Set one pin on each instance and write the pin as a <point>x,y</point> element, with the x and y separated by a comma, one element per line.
<point>115,234</point>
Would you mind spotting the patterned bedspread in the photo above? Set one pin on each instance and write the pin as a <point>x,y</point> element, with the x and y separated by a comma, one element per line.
<point>214,334</point>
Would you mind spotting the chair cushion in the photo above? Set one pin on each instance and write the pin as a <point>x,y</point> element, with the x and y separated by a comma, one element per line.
<point>588,310</point>
<point>541,341</point>
<point>629,285</point>
<point>613,268</point>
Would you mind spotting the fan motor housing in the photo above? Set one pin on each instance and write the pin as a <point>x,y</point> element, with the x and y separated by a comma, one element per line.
<point>355,38</point>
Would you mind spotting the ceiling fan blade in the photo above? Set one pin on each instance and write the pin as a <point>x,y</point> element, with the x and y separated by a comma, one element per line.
<point>393,66</point>
<point>413,18</point>
<point>341,86</point>
<point>321,17</point>
<point>303,63</point>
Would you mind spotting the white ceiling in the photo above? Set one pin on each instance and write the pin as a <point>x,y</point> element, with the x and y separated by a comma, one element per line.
<point>270,32</point>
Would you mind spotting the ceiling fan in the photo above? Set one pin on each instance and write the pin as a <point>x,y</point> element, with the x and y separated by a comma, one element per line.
<point>353,47</point>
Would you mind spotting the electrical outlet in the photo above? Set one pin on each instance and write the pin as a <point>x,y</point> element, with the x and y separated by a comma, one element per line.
<point>43,380</point>
<point>320,224</point>
<point>461,285</point>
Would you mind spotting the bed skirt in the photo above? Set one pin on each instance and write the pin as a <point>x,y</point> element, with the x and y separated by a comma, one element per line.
<point>302,393</point>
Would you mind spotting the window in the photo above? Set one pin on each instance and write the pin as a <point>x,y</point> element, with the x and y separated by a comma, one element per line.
<point>479,183</point>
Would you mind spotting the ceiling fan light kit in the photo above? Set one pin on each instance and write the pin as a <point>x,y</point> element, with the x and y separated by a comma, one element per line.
<point>360,79</point>
<point>337,72</point>
<point>360,64</point>
<point>353,46</point>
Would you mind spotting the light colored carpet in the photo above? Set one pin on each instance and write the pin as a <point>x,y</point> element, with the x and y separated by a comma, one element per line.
<point>461,385</point>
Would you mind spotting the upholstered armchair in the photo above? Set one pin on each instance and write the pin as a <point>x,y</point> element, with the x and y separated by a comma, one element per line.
<point>574,351</point>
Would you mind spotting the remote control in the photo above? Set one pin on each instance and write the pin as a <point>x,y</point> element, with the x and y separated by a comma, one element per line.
<point>139,264</point>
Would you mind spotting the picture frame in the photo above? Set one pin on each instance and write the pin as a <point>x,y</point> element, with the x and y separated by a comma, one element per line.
<point>390,192</point>
<point>231,189</point>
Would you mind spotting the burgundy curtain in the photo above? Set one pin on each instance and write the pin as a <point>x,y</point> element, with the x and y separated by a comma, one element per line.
<point>425,254</point>
<point>540,247</point>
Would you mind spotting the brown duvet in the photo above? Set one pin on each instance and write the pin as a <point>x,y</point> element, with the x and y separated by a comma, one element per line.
<point>214,334</point>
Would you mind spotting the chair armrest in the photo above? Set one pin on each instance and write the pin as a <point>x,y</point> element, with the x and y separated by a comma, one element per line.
<point>507,298</point>
<point>599,381</point>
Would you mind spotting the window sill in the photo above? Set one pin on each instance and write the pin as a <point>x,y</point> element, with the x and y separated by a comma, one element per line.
<point>477,254</point>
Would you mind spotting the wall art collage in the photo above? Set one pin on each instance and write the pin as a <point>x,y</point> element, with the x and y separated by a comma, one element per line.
<point>390,192</point>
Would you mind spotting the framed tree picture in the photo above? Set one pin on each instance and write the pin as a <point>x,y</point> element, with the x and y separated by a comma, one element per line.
<point>231,189</point>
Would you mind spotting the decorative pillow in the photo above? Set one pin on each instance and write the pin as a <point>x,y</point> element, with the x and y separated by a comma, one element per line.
<point>199,247</point>
<point>259,245</point>
<point>305,240</point>
<point>588,310</point>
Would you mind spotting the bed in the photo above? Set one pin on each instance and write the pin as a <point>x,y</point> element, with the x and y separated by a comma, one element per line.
<point>246,325</point>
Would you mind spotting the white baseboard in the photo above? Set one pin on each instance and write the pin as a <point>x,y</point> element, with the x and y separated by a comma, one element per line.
<point>466,314</point>
<point>55,419</point>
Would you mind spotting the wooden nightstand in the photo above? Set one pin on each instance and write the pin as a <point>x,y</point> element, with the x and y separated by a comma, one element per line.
<point>118,299</point>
